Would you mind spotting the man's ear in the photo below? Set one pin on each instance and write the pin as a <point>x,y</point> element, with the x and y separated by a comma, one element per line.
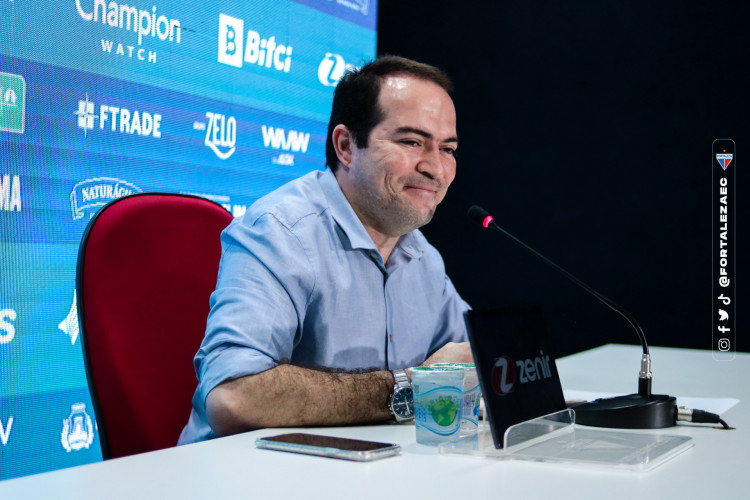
<point>343,142</point>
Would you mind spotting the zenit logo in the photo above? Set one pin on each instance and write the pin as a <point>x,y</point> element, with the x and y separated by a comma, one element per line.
<point>117,119</point>
<point>332,68</point>
<point>264,52</point>
<point>506,372</point>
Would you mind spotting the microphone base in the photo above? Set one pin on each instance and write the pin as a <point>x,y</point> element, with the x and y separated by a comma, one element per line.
<point>633,411</point>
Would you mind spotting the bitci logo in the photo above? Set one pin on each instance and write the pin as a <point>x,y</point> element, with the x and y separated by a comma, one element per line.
<point>234,49</point>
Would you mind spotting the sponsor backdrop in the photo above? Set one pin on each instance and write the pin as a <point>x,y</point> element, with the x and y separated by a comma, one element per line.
<point>99,99</point>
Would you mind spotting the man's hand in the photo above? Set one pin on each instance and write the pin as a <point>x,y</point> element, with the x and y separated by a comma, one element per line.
<point>451,352</point>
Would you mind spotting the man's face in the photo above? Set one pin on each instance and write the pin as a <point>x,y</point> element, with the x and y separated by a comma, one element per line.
<point>405,170</point>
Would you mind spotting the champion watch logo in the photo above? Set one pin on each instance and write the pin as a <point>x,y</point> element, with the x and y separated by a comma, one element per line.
<point>724,159</point>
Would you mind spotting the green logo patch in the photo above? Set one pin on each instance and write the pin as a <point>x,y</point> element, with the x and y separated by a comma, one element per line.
<point>12,103</point>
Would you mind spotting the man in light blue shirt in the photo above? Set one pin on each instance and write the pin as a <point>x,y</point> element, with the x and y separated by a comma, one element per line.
<point>325,285</point>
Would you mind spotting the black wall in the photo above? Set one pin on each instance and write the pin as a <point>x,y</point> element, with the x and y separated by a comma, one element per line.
<point>586,128</point>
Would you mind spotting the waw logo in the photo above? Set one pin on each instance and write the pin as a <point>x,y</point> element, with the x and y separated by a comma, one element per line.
<point>292,141</point>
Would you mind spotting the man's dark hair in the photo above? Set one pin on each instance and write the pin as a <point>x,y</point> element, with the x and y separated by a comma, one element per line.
<point>355,100</point>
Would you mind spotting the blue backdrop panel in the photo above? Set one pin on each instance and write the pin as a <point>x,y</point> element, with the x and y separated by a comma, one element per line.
<point>98,99</point>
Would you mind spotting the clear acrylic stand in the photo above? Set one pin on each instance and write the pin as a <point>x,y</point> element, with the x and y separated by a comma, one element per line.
<point>555,438</point>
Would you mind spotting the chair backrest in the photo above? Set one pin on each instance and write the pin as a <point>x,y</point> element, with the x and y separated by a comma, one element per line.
<point>146,268</point>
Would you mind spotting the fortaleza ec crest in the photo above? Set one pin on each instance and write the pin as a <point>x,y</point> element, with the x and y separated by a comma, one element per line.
<point>724,159</point>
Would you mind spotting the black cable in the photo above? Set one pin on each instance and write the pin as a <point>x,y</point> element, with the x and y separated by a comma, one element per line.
<point>701,417</point>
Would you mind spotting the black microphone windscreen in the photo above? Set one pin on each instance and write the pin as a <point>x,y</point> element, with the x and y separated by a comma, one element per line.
<point>478,214</point>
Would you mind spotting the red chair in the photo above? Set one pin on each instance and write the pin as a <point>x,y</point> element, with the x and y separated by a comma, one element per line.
<point>146,268</point>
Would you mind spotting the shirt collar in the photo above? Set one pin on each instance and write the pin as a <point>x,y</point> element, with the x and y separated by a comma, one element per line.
<point>342,212</point>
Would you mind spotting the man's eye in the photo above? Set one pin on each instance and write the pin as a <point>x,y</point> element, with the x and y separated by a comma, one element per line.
<point>409,142</point>
<point>450,151</point>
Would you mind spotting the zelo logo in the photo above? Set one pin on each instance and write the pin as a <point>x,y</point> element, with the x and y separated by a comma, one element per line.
<point>529,370</point>
<point>117,119</point>
<point>221,134</point>
<point>90,195</point>
<point>264,52</point>
<point>12,103</point>
<point>7,330</point>
<point>332,68</point>
<point>10,193</point>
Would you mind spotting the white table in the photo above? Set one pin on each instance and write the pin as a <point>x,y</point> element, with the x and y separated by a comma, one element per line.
<point>716,467</point>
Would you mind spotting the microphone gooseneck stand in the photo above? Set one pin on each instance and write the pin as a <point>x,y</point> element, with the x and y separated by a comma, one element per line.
<point>641,410</point>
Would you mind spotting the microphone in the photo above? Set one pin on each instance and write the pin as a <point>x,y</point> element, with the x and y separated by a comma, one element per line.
<point>642,410</point>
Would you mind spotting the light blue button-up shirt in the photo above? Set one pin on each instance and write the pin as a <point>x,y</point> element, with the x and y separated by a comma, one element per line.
<point>300,280</point>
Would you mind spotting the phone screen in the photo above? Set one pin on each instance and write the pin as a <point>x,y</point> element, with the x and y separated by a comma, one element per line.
<point>329,446</point>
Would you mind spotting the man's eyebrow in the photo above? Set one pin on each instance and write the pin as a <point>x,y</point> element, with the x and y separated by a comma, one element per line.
<point>423,133</point>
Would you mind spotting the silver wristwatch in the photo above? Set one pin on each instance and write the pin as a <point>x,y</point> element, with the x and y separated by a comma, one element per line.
<point>401,402</point>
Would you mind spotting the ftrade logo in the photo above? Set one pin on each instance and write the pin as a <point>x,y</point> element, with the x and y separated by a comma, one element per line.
<point>332,68</point>
<point>10,193</point>
<point>506,372</point>
<point>221,134</point>
<point>146,24</point>
<point>90,195</point>
<point>117,119</point>
<point>12,103</point>
<point>234,49</point>
<point>7,330</point>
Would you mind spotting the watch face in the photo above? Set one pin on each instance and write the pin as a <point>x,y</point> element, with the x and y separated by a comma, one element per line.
<point>403,403</point>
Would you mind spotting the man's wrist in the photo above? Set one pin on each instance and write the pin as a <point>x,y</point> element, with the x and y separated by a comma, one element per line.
<point>401,402</point>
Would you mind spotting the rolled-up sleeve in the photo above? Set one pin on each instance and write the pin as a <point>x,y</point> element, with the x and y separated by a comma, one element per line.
<point>264,284</point>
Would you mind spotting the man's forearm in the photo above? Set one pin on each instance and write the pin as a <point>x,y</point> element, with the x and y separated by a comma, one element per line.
<point>291,396</point>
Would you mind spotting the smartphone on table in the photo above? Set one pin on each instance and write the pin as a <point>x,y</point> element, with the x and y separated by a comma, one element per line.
<point>329,446</point>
